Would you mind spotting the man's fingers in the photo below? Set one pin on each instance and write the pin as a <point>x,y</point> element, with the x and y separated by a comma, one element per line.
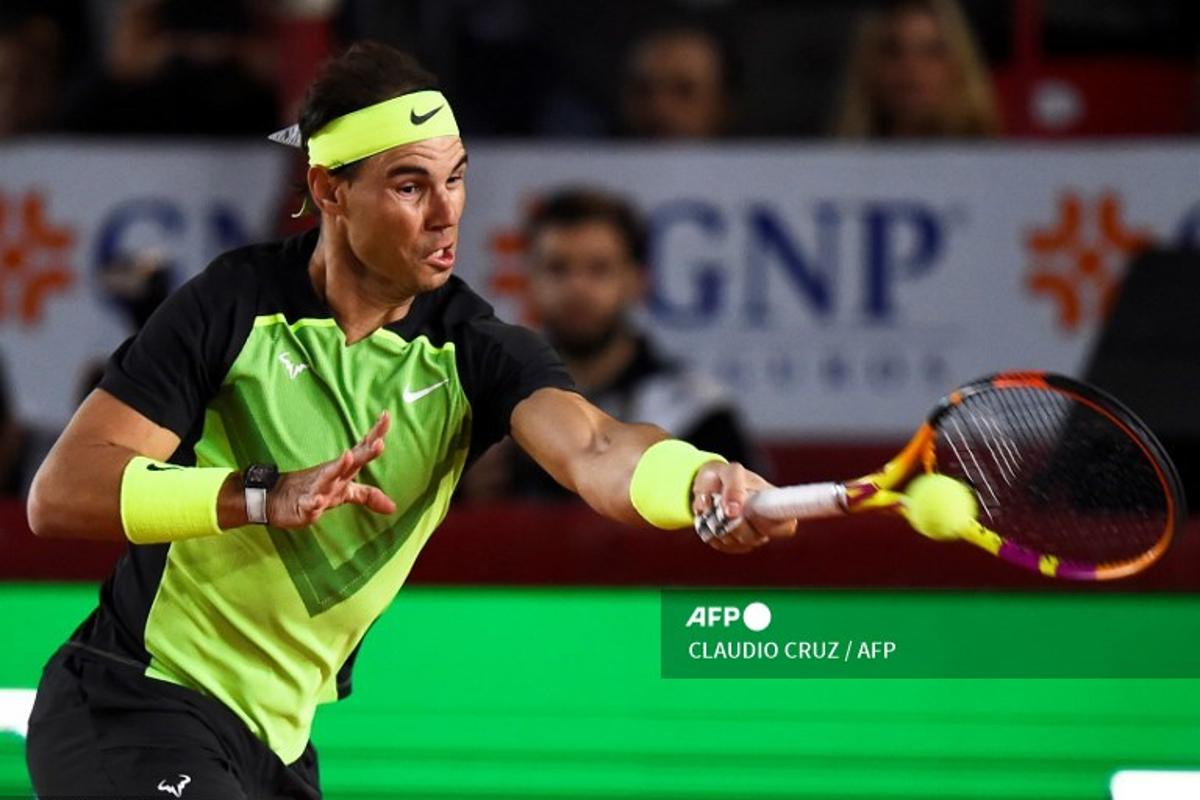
<point>726,480</point>
<point>733,489</point>
<point>724,520</point>
<point>773,528</point>
<point>311,506</point>
<point>370,497</point>
<point>382,425</point>
<point>736,546</point>
<point>708,479</point>
<point>341,468</point>
<point>375,499</point>
<point>368,448</point>
<point>365,452</point>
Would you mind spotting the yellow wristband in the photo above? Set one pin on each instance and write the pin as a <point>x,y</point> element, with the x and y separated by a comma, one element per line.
<point>165,502</point>
<point>661,488</point>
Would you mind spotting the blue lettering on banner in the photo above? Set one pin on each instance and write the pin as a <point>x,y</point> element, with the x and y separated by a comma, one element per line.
<point>897,241</point>
<point>132,224</point>
<point>226,228</point>
<point>157,214</point>
<point>886,264</point>
<point>709,280</point>
<point>813,276</point>
<point>1188,234</point>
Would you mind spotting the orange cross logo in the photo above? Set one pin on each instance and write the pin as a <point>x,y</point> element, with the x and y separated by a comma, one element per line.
<point>508,271</point>
<point>33,258</point>
<point>507,277</point>
<point>1078,263</point>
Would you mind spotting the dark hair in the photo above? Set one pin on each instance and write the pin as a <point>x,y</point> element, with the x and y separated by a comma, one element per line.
<point>578,206</point>
<point>365,74</point>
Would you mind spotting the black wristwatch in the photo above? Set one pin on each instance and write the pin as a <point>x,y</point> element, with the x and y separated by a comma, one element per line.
<point>258,479</point>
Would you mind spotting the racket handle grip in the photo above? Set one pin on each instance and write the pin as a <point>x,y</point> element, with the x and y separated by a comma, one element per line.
<point>806,501</point>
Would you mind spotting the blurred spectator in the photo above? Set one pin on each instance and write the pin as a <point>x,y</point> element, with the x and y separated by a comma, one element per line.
<point>22,446</point>
<point>587,273</point>
<point>137,281</point>
<point>184,68</point>
<point>39,46</point>
<point>680,83</point>
<point>915,71</point>
<point>495,58</point>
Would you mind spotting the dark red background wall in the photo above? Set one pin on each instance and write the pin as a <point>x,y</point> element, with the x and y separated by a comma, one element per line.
<point>570,545</point>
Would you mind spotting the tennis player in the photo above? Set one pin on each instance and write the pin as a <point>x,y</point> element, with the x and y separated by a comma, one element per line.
<point>278,443</point>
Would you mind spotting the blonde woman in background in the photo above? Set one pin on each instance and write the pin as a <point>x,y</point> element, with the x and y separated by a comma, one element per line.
<point>915,72</point>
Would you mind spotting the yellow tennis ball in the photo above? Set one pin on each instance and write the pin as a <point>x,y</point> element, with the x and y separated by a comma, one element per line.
<point>940,507</point>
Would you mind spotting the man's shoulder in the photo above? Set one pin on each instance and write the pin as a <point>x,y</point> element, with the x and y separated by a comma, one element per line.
<point>457,301</point>
<point>455,311</point>
<point>260,259</point>
<point>270,272</point>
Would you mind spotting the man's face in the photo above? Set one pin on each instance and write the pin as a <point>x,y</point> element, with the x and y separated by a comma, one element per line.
<point>674,89</point>
<point>400,214</point>
<point>582,279</point>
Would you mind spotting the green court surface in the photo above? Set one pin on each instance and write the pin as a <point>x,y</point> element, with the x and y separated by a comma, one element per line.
<point>556,693</point>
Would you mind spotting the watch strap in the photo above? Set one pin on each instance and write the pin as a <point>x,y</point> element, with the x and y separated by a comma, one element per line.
<point>257,480</point>
<point>256,505</point>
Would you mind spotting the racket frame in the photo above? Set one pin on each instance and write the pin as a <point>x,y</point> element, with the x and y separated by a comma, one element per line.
<point>879,491</point>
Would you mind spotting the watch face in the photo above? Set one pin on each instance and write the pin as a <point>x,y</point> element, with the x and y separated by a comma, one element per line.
<point>261,476</point>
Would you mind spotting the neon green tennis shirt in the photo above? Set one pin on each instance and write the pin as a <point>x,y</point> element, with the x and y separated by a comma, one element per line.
<point>246,364</point>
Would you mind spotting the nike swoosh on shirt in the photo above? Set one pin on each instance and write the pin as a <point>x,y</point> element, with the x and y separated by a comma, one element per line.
<point>421,119</point>
<point>411,397</point>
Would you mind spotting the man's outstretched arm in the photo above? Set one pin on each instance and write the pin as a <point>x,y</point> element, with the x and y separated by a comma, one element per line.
<point>81,488</point>
<point>597,457</point>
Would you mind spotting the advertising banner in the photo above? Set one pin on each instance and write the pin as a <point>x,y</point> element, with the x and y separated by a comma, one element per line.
<point>841,290</point>
<point>838,290</point>
<point>79,218</point>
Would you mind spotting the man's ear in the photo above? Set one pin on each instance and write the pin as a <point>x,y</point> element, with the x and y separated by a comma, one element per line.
<point>322,187</point>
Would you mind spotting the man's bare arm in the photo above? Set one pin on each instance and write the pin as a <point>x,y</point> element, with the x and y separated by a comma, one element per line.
<point>77,491</point>
<point>594,455</point>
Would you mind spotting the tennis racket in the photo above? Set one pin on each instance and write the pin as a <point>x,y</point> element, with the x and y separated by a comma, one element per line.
<point>1069,482</point>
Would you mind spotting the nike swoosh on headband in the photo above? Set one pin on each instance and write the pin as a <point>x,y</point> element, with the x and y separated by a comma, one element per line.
<point>421,119</point>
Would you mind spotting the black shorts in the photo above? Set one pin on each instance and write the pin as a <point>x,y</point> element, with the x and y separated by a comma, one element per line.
<point>100,728</point>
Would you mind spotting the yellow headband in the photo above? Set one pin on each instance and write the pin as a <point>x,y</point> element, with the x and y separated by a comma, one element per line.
<point>402,120</point>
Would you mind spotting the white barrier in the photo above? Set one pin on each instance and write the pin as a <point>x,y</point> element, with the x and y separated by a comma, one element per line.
<point>15,706</point>
<point>1155,785</point>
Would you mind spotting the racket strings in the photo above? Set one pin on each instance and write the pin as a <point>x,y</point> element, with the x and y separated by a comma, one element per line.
<point>1054,475</point>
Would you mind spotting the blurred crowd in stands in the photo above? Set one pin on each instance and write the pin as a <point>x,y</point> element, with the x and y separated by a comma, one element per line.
<point>658,69</point>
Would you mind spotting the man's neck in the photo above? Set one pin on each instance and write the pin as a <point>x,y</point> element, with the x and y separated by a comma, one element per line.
<point>359,307</point>
<point>598,372</point>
